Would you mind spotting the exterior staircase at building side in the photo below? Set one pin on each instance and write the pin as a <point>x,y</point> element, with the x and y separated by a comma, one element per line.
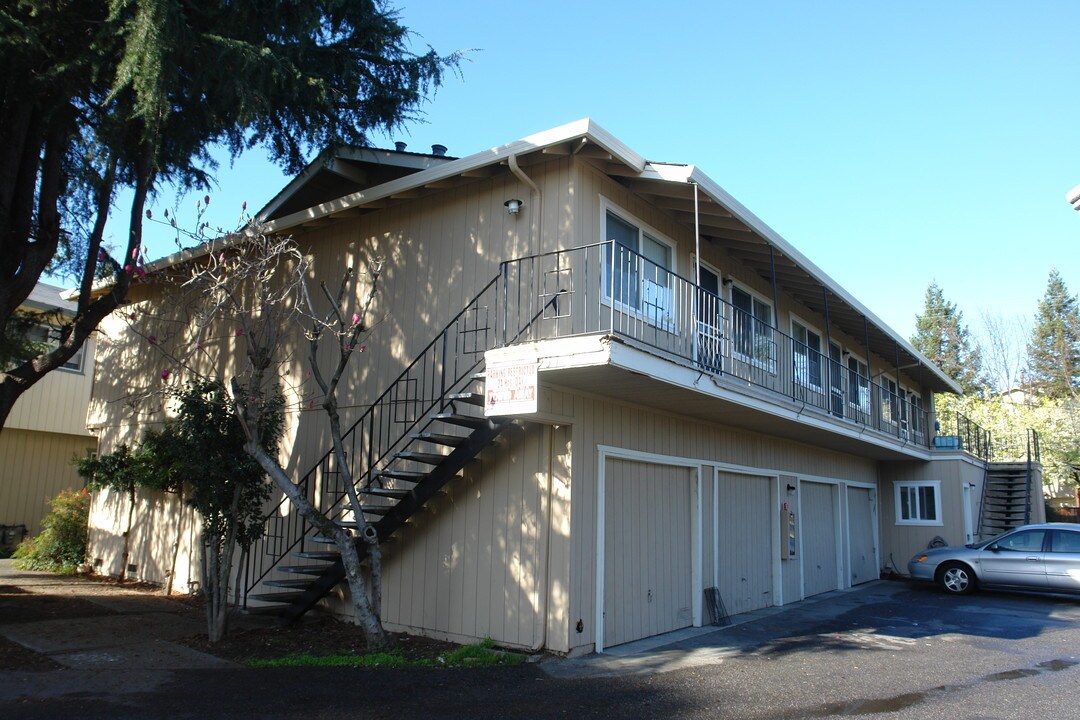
<point>425,428</point>
<point>1006,497</point>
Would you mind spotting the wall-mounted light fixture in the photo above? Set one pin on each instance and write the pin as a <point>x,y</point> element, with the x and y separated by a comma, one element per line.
<point>726,281</point>
<point>513,206</point>
<point>790,489</point>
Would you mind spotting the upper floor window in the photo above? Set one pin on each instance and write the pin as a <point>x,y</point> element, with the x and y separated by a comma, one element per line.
<point>45,338</point>
<point>807,355</point>
<point>918,503</point>
<point>918,415</point>
<point>858,384</point>
<point>752,328</point>
<point>640,280</point>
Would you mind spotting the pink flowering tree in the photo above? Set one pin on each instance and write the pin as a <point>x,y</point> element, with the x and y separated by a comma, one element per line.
<point>234,313</point>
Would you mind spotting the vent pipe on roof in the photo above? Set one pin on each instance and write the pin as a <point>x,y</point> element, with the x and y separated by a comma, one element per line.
<point>438,150</point>
<point>400,146</point>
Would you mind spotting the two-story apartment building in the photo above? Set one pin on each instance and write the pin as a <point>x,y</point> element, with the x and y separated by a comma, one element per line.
<point>46,428</point>
<point>601,400</point>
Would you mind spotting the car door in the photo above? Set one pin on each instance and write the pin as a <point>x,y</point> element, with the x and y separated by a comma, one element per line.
<point>1015,559</point>
<point>1063,561</point>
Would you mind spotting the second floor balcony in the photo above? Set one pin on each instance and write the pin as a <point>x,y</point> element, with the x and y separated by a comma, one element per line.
<point>608,320</point>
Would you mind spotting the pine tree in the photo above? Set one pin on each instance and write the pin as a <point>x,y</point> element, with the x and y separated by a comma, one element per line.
<point>940,335</point>
<point>1053,353</point>
<point>99,96</point>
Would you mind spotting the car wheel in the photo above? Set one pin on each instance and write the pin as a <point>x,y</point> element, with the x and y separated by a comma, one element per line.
<point>957,578</point>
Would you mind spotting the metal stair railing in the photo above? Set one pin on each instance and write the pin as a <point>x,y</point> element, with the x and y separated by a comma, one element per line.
<point>443,367</point>
<point>379,432</point>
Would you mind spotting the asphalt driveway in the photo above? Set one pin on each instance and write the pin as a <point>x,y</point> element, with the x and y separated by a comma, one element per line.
<point>887,649</point>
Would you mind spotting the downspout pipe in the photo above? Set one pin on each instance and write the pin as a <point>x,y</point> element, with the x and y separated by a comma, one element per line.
<point>697,273</point>
<point>537,217</point>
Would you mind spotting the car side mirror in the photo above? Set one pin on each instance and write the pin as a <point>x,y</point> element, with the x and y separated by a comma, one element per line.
<point>994,548</point>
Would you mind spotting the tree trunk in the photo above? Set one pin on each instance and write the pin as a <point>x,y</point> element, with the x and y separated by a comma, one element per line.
<point>363,611</point>
<point>127,534</point>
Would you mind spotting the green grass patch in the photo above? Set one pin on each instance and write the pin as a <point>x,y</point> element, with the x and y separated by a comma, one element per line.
<point>372,660</point>
<point>482,654</point>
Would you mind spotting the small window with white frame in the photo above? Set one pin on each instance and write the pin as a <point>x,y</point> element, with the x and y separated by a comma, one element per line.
<point>640,281</point>
<point>918,502</point>
<point>46,338</point>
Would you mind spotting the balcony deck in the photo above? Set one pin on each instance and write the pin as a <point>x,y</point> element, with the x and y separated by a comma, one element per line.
<point>605,320</point>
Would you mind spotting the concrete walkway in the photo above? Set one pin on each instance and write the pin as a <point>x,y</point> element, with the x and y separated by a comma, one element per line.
<point>711,645</point>
<point>134,631</point>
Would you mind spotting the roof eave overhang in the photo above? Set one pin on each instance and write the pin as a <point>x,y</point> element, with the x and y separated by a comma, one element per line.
<point>580,129</point>
<point>690,174</point>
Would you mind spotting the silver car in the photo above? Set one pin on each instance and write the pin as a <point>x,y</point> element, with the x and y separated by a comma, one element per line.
<point>1044,558</point>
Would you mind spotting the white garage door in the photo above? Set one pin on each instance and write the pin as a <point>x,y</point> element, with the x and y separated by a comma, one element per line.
<point>861,537</point>
<point>820,538</point>
<point>744,550</point>
<point>647,550</point>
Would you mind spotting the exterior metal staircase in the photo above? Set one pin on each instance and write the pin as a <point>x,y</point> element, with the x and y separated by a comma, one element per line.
<point>414,439</point>
<point>1007,485</point>
<point>1006,497</point>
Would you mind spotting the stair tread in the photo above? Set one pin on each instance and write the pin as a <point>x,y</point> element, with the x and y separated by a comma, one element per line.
<point>276,597</point>
<point>407,475</point>
<point>440,438</point>
<point>422,457</point>
<point>287,583</point>
<point>468,397</point>
<point>386,492</point>
<point>330,555</point>
<point>302,569</point>
<point>471,421</point>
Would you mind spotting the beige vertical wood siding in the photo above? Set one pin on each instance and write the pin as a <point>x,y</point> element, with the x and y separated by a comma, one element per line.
<point>862,563</point>
<point>821,543</point>
<point>647,550</point>
<point>790,569</point>
<point>162,539</point>
<point>57,403</point>
<point>600,421</point>
<point>34,468</point>
<point>900,542</point>
<point>473,564</point>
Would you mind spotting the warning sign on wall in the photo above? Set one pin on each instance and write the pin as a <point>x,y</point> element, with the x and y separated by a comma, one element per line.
<point>510,390</point>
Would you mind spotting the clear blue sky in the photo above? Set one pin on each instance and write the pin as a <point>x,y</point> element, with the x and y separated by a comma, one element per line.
<point>894,144</point>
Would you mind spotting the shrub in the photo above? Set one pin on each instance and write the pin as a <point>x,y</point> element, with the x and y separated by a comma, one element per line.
<point>61,546</point>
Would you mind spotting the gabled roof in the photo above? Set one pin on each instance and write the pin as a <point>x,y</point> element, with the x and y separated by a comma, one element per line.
<point>670,186</point>
<point>373,179</point>
<point>49,298</point>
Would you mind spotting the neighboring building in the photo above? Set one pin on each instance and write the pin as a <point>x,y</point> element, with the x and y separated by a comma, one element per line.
<point>758,431</point>
<point>46,429</point>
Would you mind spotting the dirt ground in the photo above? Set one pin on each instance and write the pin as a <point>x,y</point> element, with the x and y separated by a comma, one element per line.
<point>248,638</point>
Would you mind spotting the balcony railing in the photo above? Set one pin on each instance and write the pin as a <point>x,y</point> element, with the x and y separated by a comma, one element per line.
<point>607,288</point>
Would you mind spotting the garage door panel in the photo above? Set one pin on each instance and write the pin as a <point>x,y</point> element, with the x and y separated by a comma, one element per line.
<point>744,550</point>
<point>862,558</point>
<point>819,538</point>
<point>647,550</point>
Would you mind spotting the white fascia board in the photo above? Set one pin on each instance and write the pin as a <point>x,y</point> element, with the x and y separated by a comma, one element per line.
<point>584,128</point>
<point>689,173</point>
<point>436,170</point>
<point>326,159</point>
